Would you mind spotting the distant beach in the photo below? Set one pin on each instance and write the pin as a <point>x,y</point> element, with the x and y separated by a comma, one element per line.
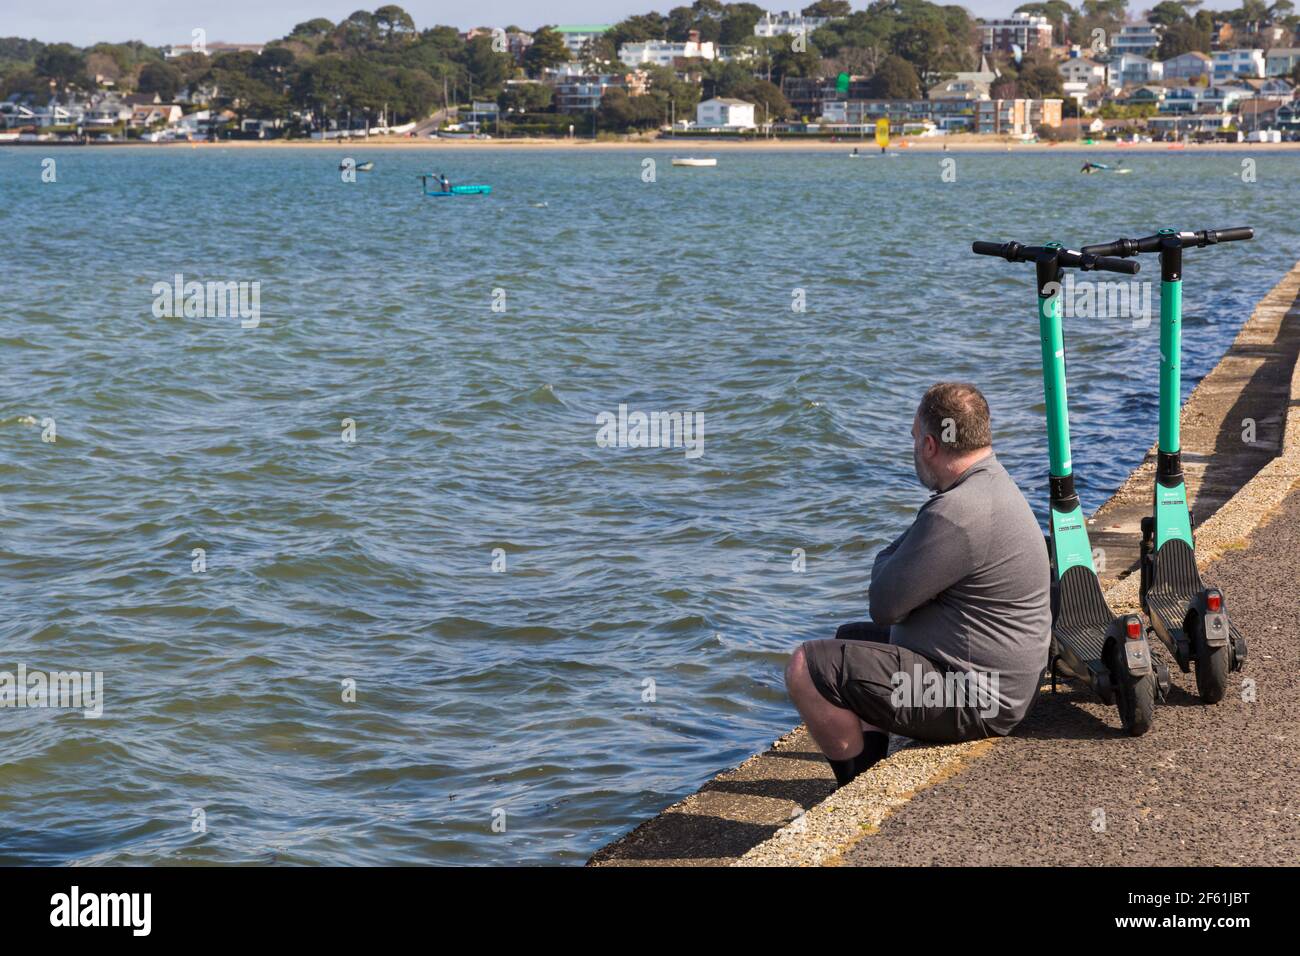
<point>954,144</point>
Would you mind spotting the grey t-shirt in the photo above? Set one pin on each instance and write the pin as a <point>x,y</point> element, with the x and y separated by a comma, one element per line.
<point>968,586</point>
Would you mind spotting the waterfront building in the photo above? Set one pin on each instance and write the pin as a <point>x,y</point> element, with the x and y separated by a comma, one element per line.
<point>724,113</point>
<point>666,52</point>
<point>1023,30</point>
<point>788,23</point>
<point>1240,62</point>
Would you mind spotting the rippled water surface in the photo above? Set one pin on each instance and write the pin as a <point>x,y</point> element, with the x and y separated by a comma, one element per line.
<point>327,561</point>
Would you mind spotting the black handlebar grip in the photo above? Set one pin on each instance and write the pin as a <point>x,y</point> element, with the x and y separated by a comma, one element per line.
<point>1103,248</point>
<point>1232,235</point>
<point>1110,264</point>
<point>988,248</point>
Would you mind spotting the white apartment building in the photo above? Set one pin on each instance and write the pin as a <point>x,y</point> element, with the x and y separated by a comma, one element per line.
<point>1130,69</point>
<point>1140,38</point>
<point>787,23</point>
<point>1230,63</point>
<point>665,52</point>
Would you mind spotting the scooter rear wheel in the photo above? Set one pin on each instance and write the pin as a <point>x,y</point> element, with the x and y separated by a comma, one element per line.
<point>1135,697</point>
<point>1212,665</point>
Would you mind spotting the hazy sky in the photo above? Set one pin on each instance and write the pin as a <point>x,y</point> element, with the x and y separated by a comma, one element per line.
<point>171,21</point>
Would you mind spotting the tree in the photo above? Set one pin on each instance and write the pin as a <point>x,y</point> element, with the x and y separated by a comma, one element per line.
<point>393,25</point>
<point>1180,38</point>
<point>621,112</point>
<point>487,68</point>
<point>1166,13</point>
<point>313,30</point>
<point>161,78</point>
<point>63,64</point>
<point>1058,12</point>
<point>828,8</point>
<point>548,50</point>
<point>1040,80</point>
<point>737,25</point>
<point>526,98</point>
<point>895,80</point>
<point>769,102</point>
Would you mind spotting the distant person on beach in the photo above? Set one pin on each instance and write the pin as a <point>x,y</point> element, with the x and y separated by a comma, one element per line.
<point>959,602</point>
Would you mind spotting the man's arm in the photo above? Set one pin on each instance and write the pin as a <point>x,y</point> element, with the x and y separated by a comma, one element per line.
<point>931,557</point>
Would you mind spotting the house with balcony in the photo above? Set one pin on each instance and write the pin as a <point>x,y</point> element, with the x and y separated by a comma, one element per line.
<point>1145,96</point>
<point>1132,69</point>
<point>1025,31</point>
<point>1288,118</point>
<point>1281,61</point>
<point>1081,69</point>
<point>154,114</point>
<point>1182,99</point>
<point>1176,126</point>
<point>1139,38</point>
<point>1018,117</point>
<point>1188,66</point>
<point>666,52</point>
<point>1254,113</point>
<point>211,49</point>
<point>1222,99</point>
<point>789,23</point>
<point>582,92</point>
<point>1229,64</point>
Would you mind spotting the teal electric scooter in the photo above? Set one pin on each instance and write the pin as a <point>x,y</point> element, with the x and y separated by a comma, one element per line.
<point>1189,617</point>
<point>1089,643</point>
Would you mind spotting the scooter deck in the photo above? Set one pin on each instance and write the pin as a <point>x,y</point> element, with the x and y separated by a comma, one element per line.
<point>1176,581</point>
<point>1082,614</point>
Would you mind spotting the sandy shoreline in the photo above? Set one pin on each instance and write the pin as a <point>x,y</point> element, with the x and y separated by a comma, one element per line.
<point>952,144</point>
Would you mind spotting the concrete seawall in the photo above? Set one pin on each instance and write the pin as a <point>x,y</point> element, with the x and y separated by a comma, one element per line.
<point>780,807</point>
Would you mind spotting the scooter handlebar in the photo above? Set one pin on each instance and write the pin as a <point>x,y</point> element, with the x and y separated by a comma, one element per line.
<point>1087,260</point>
<point>1186,240</point>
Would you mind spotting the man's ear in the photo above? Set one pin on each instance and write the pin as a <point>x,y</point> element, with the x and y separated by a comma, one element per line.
<point>931,446</point>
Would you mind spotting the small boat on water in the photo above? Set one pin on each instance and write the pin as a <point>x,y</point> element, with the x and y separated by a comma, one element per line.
<point>460,191</point>
<point>359,167</point>
<point>693,161</point>
<point>466,190</point>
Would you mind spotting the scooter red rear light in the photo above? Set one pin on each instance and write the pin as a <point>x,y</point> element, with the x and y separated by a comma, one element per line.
<point>1134,629</point>
<point>1214,601</point>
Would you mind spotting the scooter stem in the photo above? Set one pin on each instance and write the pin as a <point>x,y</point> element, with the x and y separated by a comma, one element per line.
<point>1171,340</point>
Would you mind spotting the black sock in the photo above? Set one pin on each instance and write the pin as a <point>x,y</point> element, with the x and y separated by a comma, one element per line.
<point>844,770</point>
<point>874,745</point>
